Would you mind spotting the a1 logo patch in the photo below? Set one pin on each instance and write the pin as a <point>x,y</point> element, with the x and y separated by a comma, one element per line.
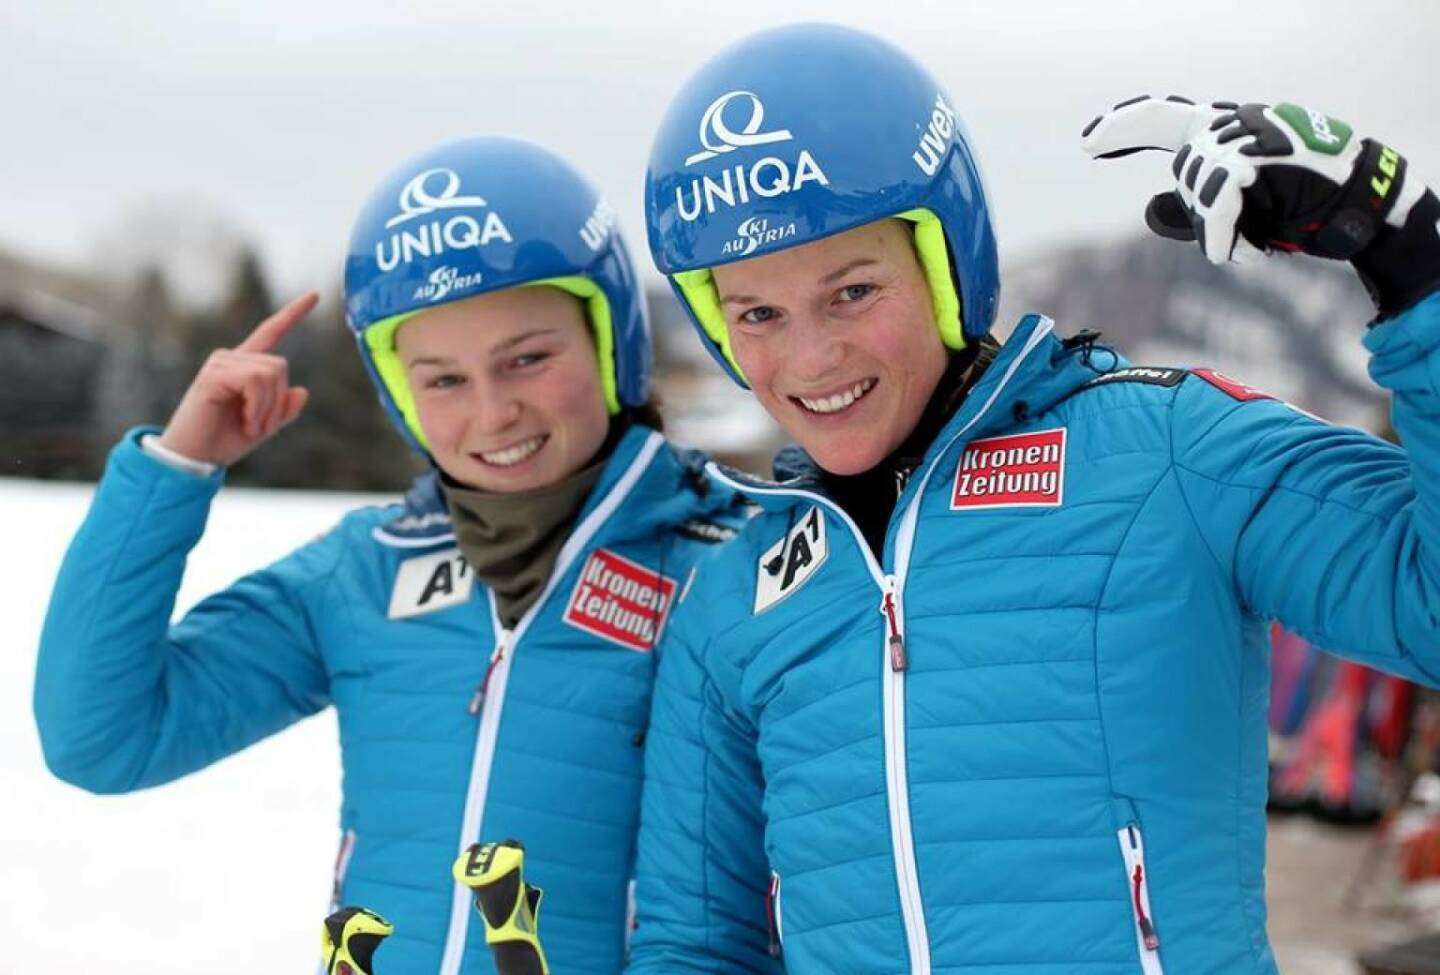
<point>620,601</point>
<point>1023,470</point>
<point>789,562</point>
<point>428,583</point>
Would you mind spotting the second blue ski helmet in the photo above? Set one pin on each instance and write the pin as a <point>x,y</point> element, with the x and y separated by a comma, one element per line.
<point>480,214</point>
<point>805,131</point>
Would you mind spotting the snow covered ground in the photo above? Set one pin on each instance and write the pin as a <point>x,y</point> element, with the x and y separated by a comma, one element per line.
<point>225,871</point>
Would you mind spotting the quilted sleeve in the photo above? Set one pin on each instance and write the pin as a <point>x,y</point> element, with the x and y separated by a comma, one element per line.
<point>1326,528</point>
<point>123,700</point>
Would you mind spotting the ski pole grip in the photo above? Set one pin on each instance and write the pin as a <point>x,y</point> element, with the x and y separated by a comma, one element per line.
<point>349,939</point>
<point>508,905</point>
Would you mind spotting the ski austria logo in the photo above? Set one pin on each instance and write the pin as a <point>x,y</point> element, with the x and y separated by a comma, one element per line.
<point>939,132</point>
<point>1024,470</point>
<point>765,178</point>
<point>620,601</point>
<point>754,233</point>
<point>788,563</point>
<point>444,281</point>
<point>426,195</point>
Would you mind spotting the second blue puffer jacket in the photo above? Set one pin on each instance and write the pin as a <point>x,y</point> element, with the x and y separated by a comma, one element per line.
<point>1030,738</point>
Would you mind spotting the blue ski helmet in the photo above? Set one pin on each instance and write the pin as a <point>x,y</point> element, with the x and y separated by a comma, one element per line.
<point>805,131</point>
<point>482,214</point>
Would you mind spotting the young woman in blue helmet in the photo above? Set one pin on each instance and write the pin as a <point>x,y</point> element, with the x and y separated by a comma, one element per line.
<point>488,644</point>
<point>983,687</point>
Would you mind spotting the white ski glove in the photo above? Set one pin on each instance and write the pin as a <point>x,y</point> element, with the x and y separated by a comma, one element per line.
<point>1284,177</point>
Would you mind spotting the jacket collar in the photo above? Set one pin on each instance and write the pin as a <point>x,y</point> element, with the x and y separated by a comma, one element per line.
<point>650,475</point>
<point>1032,371</point>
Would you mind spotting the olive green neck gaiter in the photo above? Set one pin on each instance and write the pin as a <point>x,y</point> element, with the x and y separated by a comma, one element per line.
<point>511,541</point>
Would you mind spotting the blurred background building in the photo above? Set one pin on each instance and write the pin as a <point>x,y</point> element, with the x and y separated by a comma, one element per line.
<point>83,358</point>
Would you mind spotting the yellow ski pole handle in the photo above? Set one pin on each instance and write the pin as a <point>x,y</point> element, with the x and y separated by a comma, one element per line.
<point>509,906</point>
<point>349,939</point>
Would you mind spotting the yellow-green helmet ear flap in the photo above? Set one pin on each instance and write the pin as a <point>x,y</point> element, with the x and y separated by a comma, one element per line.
<point>934,254</point>
<point>698,289</point>
<point>380,346</point>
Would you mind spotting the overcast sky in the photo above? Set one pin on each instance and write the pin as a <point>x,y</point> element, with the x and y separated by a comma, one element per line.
<point>274,117</point>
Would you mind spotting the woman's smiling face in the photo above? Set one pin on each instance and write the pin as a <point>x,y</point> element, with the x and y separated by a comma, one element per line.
<point>506,387</point>
<point>838,340</point>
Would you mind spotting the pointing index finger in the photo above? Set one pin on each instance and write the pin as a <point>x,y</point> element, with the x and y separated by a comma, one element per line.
<point>267,335</point>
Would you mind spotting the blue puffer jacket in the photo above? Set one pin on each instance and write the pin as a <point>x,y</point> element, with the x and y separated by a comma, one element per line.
<point>1031,738</point>
<point>382,618</point>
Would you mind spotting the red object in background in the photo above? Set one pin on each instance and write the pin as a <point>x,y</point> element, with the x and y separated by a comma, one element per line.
<point>1324,758</point>
<point>1341,730</point>
<point>1391,727</point>
<point>1419,856</point>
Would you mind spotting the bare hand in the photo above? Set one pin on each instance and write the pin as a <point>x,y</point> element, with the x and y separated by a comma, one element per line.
<point>241,396</point>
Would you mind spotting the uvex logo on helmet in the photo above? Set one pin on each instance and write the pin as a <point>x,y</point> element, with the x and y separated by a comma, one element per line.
<point>598,226</point>
<point>938,134</point>
<point>769,176</point>
<point>431,238</point>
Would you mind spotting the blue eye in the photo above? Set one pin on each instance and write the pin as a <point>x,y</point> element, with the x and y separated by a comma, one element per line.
<point>854,292</point>
<point>529,359</point>
<point>763,313</point>
<point>444,381</point>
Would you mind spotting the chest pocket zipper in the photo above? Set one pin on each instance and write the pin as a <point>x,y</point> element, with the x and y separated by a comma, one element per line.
<point>1147,939</point>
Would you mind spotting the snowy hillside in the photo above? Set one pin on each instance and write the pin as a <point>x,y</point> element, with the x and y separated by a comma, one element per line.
<point>226,871</point>
<point>1289,326</point>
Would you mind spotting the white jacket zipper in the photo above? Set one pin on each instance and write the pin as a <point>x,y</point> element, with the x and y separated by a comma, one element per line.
<point>896,660</point>
<point>897,775</point>
<point>1147,940</point>
<point>488,699</point>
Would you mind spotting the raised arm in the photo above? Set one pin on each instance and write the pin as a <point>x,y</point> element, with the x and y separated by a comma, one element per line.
<point>123,700</point>
<point>1325,528</point>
